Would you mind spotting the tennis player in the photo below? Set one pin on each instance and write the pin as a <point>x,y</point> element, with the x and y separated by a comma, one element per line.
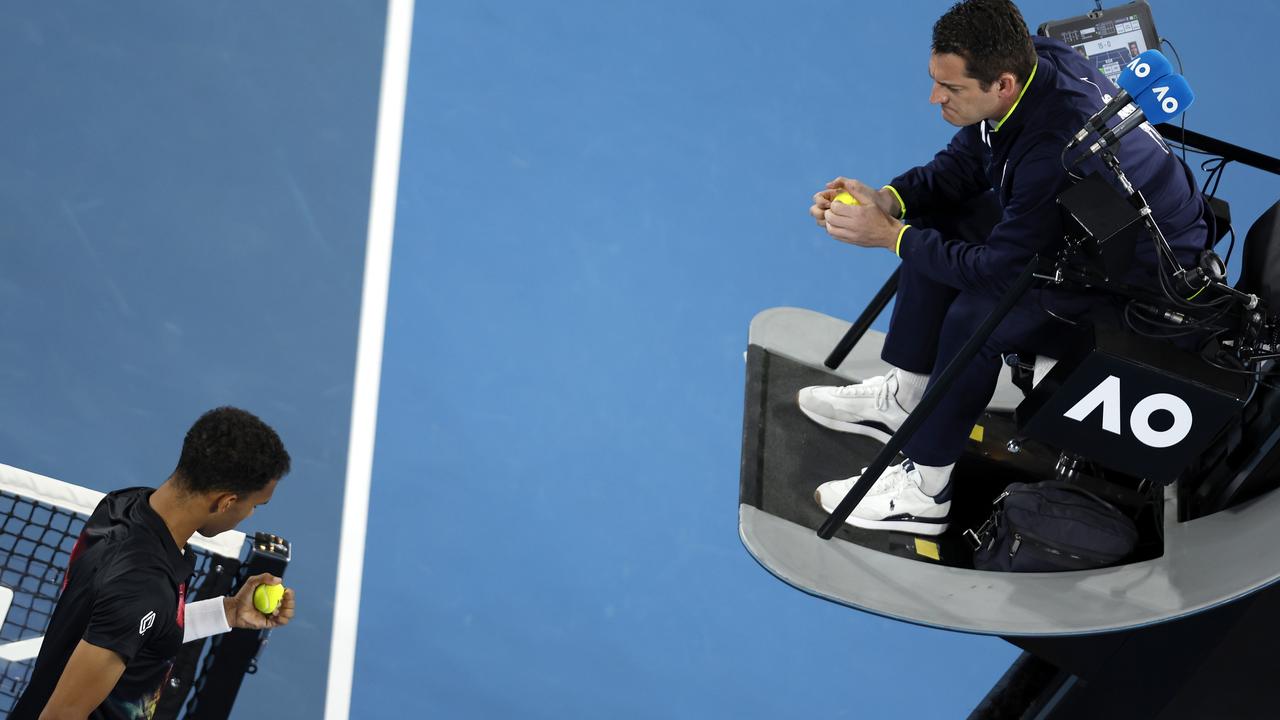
<point>122,615</point>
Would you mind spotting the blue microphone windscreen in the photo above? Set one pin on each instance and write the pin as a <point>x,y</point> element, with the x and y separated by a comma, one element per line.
<point>1165,100</point>
<point>1143,71</point>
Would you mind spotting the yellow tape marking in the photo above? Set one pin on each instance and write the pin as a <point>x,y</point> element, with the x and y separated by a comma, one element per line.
<point>927,548</point>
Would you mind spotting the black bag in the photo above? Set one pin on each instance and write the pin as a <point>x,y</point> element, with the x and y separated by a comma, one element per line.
<point>1051,526</point>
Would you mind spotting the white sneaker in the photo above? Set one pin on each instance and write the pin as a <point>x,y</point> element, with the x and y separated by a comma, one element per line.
<point>895,502</point>
<point>867,408</point>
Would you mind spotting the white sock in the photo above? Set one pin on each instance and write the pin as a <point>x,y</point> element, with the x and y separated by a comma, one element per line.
<point>911,388</point>
<point>933,480</point>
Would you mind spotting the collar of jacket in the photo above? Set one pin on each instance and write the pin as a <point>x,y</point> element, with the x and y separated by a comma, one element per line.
<point>1027,86</point>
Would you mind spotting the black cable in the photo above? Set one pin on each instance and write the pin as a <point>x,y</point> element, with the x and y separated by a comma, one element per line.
<point>1161,335</point>
<point>1209,166</point>
<point>1183,126</point>
<point>1265,368</point>
<point>1215,167</point>
<point>1218,179</point>
<point>1171,329</point>
<point>1257,381</point>
<point>1070,172</point>
<point>1178,58</point>
<point>1040,299</point>
<point>1166,253</point>
<point>1258,375</point>
<point>1171,293</point>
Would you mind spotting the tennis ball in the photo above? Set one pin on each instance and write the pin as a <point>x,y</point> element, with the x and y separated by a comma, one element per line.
<point>847,199</point>
<point>267,597</point>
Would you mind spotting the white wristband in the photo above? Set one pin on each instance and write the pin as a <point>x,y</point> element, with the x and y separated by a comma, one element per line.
<point>204,618</point>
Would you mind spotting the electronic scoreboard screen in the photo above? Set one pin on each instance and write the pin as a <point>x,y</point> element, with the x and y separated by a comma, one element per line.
<point>1110,37</point>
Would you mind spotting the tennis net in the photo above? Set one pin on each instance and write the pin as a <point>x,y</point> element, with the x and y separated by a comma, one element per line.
<point>42,518</point>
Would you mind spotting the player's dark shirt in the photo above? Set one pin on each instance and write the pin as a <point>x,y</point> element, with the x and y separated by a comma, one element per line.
<point>124,591</point>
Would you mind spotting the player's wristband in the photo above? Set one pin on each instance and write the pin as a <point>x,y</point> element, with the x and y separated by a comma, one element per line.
<point>204,618</point>
<point>897,248</point>
<point>901,205</point>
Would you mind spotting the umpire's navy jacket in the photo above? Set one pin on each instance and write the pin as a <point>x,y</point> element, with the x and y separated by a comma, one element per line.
<point>1021,159</point>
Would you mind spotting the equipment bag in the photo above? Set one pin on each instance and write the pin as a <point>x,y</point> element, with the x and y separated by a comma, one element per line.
<point>1051,526</point>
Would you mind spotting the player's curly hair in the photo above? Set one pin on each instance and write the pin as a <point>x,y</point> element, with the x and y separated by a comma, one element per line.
<point>230,450</point>
<point>990,35</point>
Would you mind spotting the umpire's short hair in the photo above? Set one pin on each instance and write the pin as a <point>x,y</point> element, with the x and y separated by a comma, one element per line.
<point>990,35</point>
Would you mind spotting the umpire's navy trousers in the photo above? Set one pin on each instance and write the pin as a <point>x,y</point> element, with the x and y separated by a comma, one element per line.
<point>932,321</point>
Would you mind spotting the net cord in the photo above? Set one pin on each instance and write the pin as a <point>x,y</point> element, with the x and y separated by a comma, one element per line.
<point>83,500</point>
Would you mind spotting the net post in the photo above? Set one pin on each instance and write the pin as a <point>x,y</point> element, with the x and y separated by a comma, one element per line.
<point>932,397</point>
<point>868,316</point>
<point>235,654</point>
<point>216,583</point>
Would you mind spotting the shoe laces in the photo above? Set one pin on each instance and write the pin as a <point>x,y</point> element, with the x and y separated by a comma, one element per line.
<point>874,387</point>
<point>892,480</point>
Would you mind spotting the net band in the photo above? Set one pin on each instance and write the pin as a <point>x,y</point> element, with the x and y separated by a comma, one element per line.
<point>83,500</point>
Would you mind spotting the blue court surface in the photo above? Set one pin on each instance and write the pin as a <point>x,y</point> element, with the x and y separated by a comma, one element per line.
<point>593,201</point>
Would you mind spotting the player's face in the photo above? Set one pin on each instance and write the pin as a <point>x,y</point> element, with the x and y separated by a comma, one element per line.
<point>240,508</point>
<point>962,99</point>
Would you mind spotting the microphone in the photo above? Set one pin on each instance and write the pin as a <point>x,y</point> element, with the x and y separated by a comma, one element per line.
<point>1141,73</point>
<point>1168,98</point>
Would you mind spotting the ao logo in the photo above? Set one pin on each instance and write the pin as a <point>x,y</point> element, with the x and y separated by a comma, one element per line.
<point>1107,394</point>
<point>1140,68</point>
<point>1143,69</point>
<point>1168,103</point>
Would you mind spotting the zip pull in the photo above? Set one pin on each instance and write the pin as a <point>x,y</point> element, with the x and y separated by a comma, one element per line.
<point>1003,495</point>
<point>1017,543</point>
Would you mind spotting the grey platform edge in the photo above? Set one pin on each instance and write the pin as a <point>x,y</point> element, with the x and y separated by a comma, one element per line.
<point>1206,562</point>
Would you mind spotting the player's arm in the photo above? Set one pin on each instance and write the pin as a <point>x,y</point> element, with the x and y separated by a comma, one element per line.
<point>86,681</point>
<point>222,614</point>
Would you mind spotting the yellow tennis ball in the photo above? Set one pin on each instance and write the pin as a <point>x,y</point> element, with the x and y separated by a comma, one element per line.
<point>267,597</point>
<point>847,199</point>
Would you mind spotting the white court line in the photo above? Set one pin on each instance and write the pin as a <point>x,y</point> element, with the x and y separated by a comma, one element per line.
<point>373,316</point>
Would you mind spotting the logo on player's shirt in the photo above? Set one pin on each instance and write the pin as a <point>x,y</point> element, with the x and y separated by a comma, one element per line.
<point>182,605</point>
<point>147,621</point>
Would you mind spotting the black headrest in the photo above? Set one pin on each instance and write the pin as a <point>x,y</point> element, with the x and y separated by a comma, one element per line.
<point>1260,263</point>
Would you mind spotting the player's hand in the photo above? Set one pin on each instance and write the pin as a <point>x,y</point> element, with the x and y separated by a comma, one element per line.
<point>865,224</point>
<point>242,614</point>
